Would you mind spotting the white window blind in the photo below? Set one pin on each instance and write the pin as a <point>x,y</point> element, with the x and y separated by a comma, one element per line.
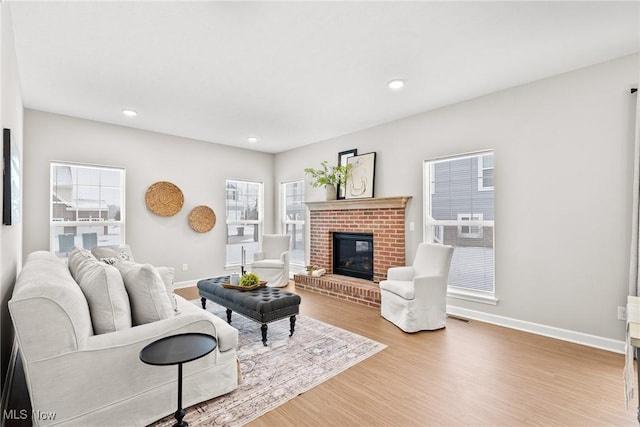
<point>460,212</point>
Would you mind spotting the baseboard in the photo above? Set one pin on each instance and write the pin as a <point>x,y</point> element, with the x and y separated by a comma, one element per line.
<point>185,284</point>
<point>8,381</point>
<point>588,340</point>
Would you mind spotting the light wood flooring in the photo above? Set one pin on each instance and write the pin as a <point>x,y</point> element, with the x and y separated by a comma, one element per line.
<point>468,374</point>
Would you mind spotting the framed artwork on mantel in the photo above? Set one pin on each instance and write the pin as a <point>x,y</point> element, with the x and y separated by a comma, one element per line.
<point>342,161</point>
<point>361,177</point>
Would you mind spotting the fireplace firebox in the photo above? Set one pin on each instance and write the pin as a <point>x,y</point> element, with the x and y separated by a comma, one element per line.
<point>353,255</point>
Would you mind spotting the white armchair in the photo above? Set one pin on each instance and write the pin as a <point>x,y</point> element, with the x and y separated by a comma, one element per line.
<point>272,262</point>
<point>414,298</point>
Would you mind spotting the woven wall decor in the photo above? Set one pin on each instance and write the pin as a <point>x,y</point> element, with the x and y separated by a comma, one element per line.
<point>164,198</point>
<point>202,219</point>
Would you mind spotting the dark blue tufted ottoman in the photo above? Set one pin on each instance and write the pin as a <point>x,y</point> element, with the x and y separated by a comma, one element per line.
<point>263,305</point>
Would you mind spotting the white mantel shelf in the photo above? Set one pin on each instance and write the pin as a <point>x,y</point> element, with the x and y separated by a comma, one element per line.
<point>373,203</point>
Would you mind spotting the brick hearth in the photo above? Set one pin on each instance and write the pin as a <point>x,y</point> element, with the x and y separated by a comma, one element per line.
<point>360,291</point>
<point>382,217</point>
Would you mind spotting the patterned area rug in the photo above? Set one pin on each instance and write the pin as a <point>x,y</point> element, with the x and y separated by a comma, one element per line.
<point>279,372</point>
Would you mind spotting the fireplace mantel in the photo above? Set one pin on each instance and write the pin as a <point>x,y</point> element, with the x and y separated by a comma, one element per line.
<point>399,202</point>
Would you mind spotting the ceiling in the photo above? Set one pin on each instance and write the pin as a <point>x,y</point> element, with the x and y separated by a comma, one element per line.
<point>295,73</point>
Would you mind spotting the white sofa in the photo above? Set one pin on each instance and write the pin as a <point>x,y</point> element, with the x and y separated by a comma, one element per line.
<point>98,380</point>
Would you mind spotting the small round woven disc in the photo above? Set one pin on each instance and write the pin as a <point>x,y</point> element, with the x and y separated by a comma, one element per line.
<point>202,219</point>
<point>164,198</point>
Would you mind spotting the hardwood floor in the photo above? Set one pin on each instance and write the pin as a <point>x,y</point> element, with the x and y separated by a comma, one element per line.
<point>469,374</point>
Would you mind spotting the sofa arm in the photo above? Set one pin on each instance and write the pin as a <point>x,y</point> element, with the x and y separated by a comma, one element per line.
<point>109,366</point>
<point>284,257</point>
<point>200,321</point>
<point>258,256</point>
<point>431,287</point>
<point>401,273</point>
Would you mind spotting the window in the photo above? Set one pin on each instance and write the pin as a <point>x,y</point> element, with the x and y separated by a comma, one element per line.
<point>468,231</point>
<point>293,219</point>
<point>485,172</point>
<point>87,207</point>
<point>458,212</point>
<point>244,220</point>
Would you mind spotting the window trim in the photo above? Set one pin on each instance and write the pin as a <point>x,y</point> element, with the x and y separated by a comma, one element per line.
<point>481,169</point>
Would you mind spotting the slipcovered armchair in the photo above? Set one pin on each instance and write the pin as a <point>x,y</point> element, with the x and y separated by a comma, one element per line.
<point>272,262</point>
<point>414,298</point>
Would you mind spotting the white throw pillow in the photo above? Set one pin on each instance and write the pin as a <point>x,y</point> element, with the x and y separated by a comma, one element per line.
<point>147,293</point>
<point>76,256</point>
<point>167,273</point>
<point>106,295</point>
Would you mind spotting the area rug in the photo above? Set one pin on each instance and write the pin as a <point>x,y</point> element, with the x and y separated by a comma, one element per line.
<point>274,374</point>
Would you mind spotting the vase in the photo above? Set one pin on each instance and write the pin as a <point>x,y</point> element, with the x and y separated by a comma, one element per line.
<point>331,192</point>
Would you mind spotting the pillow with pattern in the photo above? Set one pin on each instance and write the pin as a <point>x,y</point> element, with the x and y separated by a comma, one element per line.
<point>121,256</point>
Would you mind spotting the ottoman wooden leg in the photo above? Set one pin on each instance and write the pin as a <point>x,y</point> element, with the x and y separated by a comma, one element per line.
<point>263,328</point>
<point>292,321</point>
<point>203,300</point>
<point>229,315</point>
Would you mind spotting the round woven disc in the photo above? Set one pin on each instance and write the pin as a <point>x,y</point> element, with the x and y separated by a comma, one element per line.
<point>202,219</point>
<point>164,198</point>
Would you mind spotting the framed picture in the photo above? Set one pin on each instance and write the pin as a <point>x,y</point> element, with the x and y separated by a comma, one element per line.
<point>361,177</point>
<point>10,180</point>
<point>342,161</point>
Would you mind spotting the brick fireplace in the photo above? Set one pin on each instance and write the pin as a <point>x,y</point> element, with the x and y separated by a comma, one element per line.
<point>383,217</point>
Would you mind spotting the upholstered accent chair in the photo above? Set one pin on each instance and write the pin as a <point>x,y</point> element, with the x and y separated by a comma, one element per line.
<point>271,263</point>
<point>414,298</point>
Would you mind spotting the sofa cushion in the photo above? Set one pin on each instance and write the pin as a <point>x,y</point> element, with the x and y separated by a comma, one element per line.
<point>76,256</point>
<point>147,293</point>
<point>268,263</point>
<point>167,273</point>
<point>101,252</point>
<point>103,287</point>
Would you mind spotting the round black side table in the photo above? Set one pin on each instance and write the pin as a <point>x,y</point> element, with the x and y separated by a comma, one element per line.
<point>176,350</point>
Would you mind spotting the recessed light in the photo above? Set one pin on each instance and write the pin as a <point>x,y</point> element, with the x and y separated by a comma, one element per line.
<point>252,139</point>
<point>396,84</point>
<point>129,113</point>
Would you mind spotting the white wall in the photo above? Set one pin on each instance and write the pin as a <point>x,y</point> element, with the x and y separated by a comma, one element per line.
<point>563,154</point>
<point>198,168</point>
<point>10,236</point>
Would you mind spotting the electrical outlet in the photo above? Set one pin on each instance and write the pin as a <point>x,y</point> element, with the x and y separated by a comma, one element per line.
<point>185,267</point>
<point>412,226</point>
<point>622,313</point>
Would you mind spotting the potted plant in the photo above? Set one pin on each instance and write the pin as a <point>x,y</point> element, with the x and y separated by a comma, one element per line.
<point>329,177</point>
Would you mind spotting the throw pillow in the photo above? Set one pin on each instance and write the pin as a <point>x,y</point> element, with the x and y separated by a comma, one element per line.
<point>106,295</point>
<point>76,256</point>
<point>122,255</point>
<point>101,252</point>
<point>147,293</point>
<point>167,273</point>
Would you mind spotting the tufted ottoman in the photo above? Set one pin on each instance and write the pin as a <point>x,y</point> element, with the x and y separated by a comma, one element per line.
<point>263,305</point>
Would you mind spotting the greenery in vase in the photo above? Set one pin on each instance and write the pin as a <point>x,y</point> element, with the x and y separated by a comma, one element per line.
<point>328,175</point>
<point>249,279</point>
